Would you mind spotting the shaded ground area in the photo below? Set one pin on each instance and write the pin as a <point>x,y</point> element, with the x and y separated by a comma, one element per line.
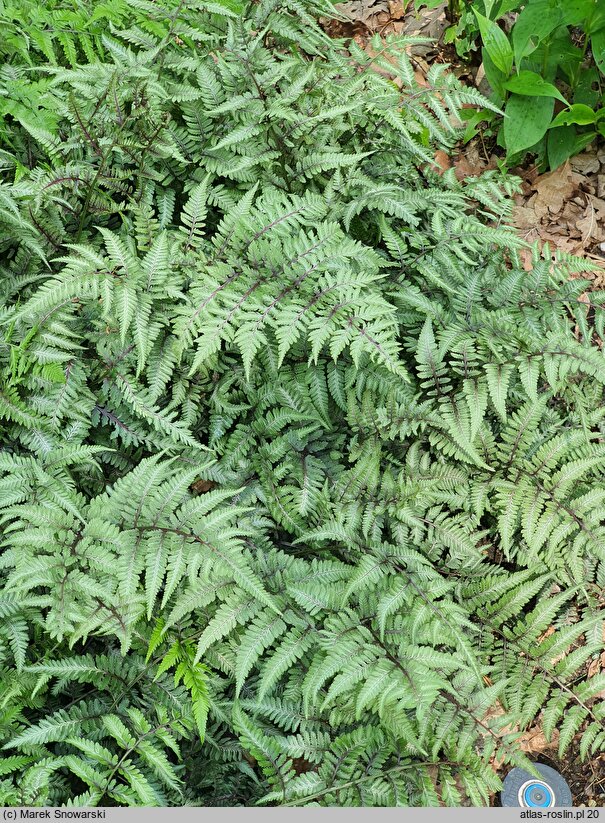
<point>566,207</point>
<point>586,779</point>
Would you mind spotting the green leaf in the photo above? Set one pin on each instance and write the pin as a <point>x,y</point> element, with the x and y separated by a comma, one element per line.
<point>495,77</point>
<point>498,378</point>
<point>578,113</point>
<point>495,42</point>
<point>450,34</point>
<point>533,25</point>
<point>531,84</point>
<point>529,371</point>
<point>472,118</point>
<point>576,12</point>
<point>597,44</point>
<point>526,121</point>
<point>564,142</point>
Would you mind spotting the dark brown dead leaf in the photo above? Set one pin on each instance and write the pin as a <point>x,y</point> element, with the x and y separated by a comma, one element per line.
<point>202,486</point>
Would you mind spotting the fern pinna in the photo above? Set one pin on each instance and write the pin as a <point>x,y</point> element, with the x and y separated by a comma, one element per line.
<point>301,471</point>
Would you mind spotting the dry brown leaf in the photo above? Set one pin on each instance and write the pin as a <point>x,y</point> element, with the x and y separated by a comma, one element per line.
<point>586,163</point>
<point>598,204</point>
<point>202,486</point>
<point>471,163</point>
<point>364,11</point>
<point>554,190</point>
<point>550,630</point>
<point>427,22</point>
<point>564,208</point>
<point>474,157</point>
<point>463,169</point>
<point>596,665</point>
<point>397,9</point>
<point>442,161</point>
<point>524,218</point>
<point>592,232</point>
<point>420,78</point>
<point>526,259</point>
<point>560,241</point>
<point>534,741</point>
<point>571,212</point>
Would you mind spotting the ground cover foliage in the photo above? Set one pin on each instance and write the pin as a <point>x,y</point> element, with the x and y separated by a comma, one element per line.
<point>544,61</point>
<point>302,473</point>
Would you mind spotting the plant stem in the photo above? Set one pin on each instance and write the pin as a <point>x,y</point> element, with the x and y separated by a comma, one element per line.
<point>453,7</point>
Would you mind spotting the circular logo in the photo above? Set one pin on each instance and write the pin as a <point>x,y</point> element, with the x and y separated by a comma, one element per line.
<point>534,794</point>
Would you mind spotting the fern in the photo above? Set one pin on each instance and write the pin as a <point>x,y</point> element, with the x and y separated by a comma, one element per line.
<point>301,471</point>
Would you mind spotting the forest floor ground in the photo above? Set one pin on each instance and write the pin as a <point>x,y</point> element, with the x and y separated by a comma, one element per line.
<point>564,208</point>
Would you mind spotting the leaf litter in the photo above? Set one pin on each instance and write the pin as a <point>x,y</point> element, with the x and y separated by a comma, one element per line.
<point>565,207</point>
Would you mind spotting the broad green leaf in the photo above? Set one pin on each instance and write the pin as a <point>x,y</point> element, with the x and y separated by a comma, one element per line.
<point>578,113</point>
<point>532,85</point>
<point>504,6</point>
<point>564,142</point>
<point>472,118</point>
<point>450,34</point>
<point>597,44</point>
<point>576,12</point>
<point>487,8</point>
<point>560,56</point>
<point>495,42</point>
<point>587,88</point>
<point>534,24</point>
<point>494,76</point>
<point>596,22</point>
<point>526,121</point>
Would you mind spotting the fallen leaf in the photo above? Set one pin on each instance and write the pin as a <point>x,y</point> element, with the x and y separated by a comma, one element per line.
<point>202,486</point>
<point>363,11</point>
<point>595,666</point>
<point>397,9</point>
<point>534,741</point>
<point>442,161</point>
<point>598,204</point>
<point>463,169</point>
<point>526,259</point>
<point>550,630</point>
<point>554,190</point>
<point>585,163</point>
<point>524,218</point>
<point>420,78</point>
